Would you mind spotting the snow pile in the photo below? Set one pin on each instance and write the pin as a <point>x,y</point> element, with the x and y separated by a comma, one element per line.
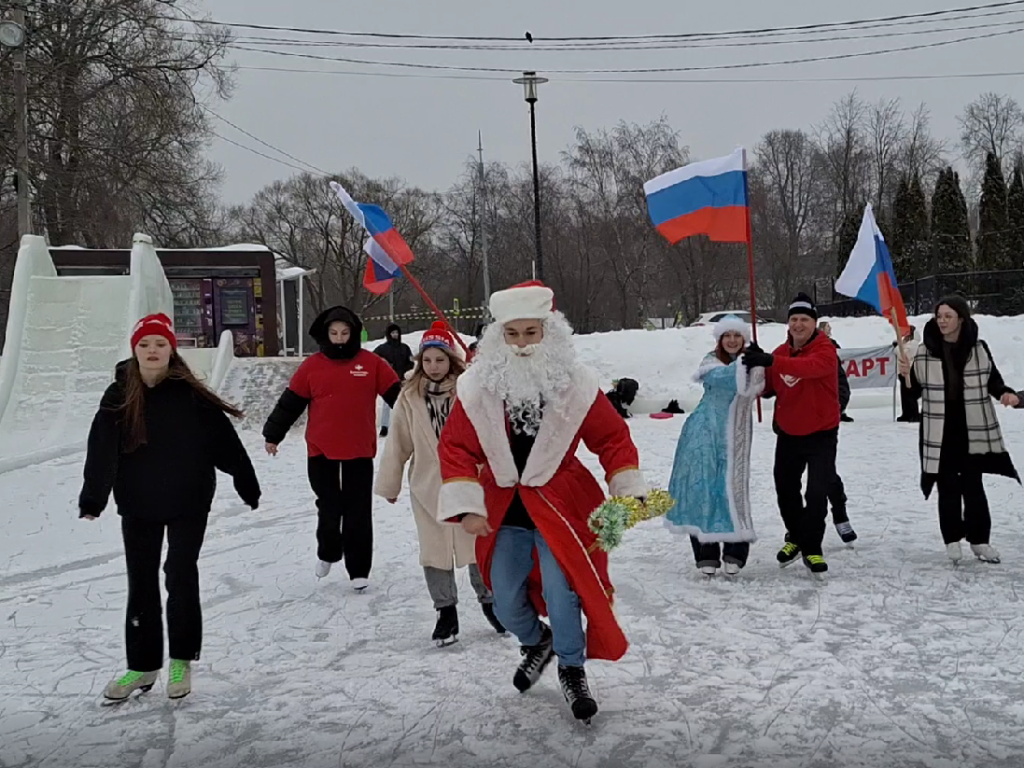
<point>254,385</point>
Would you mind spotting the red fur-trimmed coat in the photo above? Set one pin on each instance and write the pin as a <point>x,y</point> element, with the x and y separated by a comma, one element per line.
<point>479,477</point>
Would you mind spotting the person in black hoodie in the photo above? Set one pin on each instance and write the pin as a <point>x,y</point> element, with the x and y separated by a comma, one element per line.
<point>400,358</point>
<point>340,385</point>
<point>156,442</point>
<point>955,376</point>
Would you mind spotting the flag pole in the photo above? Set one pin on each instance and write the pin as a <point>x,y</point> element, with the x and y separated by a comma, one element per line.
<point>430,303</point>
<point>899,338</point>
<point>750,267</point>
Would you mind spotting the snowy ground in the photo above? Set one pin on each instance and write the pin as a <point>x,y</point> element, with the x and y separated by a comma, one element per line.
<point>900,660</point>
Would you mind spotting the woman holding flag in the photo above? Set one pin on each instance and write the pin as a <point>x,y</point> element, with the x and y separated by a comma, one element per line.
<point>956,378</point>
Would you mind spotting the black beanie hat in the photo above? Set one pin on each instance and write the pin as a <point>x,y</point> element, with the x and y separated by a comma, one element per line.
<point>803,305</point>
<point>957,303</point>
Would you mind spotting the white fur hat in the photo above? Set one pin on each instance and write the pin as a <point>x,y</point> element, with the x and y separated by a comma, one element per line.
<point>527,301</point>
<point>731,323</point>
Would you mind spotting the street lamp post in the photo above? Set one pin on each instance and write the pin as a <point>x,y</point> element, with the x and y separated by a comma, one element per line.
<point>12,35</point>
<point>530,81</point>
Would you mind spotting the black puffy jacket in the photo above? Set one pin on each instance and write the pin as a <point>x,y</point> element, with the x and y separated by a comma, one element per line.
<point>173,474</point>
<point>398,355</point>
<point>843,383</point>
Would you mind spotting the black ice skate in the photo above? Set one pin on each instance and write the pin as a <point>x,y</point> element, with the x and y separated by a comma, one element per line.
<point>788,555</point>
<point>817,566</point>
<point>446,631</point>
<point>492,619</point>
<point>577,693</point>
<point>846,532</point>
<point>535,658</point>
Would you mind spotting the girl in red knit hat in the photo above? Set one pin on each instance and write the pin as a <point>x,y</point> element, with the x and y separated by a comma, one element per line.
<point>156,442</point>
<point>420,415</point>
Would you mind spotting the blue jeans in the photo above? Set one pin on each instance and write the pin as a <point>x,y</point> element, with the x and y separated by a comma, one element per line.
<point>511,564</point>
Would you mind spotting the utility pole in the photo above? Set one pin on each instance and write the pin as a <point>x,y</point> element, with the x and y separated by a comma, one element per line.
<point>483,225</point>
<point>21,123</point>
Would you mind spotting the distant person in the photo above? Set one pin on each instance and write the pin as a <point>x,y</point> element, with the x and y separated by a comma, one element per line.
<point>400,358</point>
<point>156,442</point>
<point>340,385</point>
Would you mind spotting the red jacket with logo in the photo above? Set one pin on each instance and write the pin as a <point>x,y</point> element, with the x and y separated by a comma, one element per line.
<point>805,383</point>
<point>342,397</point>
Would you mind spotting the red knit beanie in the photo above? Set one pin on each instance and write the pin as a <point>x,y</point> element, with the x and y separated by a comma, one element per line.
<point>154,325</point>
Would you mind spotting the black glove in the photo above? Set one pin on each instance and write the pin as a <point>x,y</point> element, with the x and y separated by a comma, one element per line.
<point>755,358</point>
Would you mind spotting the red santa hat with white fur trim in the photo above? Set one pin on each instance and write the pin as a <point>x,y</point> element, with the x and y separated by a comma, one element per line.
<point>531,300</point>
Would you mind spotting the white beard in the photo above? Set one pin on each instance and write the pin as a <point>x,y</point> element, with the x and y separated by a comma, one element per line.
<point>528,379</point>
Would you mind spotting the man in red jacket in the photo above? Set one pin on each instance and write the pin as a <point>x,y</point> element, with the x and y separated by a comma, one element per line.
<point>511,477</point>
<point>803,377</point>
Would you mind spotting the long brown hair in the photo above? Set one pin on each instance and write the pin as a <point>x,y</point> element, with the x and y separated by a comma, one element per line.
<point>724,357</point>
<point>455,369</point>
<point>134,405</point>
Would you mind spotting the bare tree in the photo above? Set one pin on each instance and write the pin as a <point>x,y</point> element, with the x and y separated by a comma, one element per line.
<point>992,123</point>
<point>888,134</point>
<point>606,174</point>
<point>117,129</point>
<point>785,187</point>
<point>922,154</point>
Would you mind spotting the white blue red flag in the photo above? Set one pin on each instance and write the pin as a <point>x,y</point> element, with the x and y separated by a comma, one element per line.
<point>704,198</point>
<point>387,250</point>
<point>869,275</point>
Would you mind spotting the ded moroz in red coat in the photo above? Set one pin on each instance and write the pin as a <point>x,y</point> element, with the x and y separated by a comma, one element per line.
<point>479,477</point>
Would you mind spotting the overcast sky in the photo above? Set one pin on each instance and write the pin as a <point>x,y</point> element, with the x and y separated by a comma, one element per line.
<point>424,128</point>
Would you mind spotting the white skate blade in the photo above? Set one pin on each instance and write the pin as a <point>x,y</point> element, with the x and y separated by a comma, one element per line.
<point>444,643</point>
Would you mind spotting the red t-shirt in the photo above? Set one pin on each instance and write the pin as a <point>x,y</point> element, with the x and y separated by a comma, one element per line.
<point>342,396</point>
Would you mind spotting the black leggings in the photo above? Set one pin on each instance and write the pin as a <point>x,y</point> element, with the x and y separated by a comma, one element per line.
<point>344,502</point>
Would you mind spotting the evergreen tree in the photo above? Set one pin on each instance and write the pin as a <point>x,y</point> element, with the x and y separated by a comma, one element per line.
<point>847,237</point>
<point>993,225</point>
<point>1015,216</point>
<point>919,247</point>
<point>950,231</point>
<point>898,239</point>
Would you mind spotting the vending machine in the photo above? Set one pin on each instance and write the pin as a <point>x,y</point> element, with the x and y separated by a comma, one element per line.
<point>238,307</point>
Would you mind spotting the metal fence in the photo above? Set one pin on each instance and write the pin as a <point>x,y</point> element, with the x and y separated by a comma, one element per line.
<point>989,293</point>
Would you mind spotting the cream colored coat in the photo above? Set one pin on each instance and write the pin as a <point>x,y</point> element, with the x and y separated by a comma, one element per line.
<point>411,439</point>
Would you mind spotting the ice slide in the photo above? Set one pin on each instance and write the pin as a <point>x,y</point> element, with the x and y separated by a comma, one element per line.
<point>64,337</point>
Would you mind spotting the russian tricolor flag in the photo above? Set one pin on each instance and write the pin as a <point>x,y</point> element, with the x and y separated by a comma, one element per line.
<point>387,250</point>
<point>869,275</point>
<point>705,198</point>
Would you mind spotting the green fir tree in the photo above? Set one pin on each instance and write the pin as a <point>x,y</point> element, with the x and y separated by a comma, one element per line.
<point>950,229</point>
<point>993,249</point>
<point>1015,216</point>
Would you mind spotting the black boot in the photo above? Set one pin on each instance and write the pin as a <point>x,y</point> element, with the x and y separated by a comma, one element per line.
<point>576,691</point>
<point>535,659</point>
<point>488,609</point>
<point>446,631</point>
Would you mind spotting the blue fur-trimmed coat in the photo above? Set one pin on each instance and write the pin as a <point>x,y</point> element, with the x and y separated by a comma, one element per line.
<point>711,472</point>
